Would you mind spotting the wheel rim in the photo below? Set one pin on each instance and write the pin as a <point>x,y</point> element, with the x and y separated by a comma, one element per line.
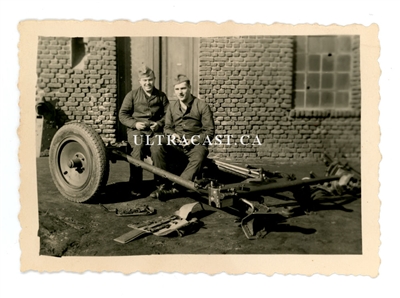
<point>74,163</point>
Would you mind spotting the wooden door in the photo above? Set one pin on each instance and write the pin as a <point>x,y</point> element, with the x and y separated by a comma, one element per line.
<point>180,56</point>
<point>145,50</point>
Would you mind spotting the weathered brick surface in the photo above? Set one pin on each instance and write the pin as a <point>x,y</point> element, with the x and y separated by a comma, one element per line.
<point>248,83</point>
<point>87,94</point>
<point>246,80</point>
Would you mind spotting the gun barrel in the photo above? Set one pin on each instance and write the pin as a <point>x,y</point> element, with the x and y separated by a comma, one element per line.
<point>157,171</point>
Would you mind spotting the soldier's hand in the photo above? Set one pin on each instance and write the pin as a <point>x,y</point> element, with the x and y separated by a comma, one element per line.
<point>176,138</point>
<point>140,125</point>
<point>154,126</point>
<point>187,145</point>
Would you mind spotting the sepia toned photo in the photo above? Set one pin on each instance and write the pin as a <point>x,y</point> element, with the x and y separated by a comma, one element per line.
<point>228,152</point>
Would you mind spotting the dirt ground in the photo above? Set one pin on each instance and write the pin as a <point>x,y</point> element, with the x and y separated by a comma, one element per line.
<point>87,229</point>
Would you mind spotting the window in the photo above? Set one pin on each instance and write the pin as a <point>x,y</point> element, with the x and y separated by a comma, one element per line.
<point>78,52</point>
<point>322,72</point>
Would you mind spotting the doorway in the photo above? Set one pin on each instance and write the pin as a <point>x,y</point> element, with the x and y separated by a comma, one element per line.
<point>166,56</point>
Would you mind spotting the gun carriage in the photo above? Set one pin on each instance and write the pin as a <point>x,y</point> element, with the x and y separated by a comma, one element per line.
<point>79,165</point>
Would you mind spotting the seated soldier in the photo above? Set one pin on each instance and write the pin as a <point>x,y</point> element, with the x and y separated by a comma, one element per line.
<point>189,127</point>
<point>143,113</point>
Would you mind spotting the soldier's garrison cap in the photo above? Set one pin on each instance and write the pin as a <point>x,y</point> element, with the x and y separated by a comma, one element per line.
<point>144,71</point>
<point>180,78</point>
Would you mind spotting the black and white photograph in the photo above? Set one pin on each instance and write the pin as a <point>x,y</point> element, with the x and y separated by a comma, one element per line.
<point>268,126</point>
<point>236,145</point>
<point>213,148</point>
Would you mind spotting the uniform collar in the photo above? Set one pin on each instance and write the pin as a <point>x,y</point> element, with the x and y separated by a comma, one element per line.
<point>188,105</point>
<point>190,102</point>
<point>152,94</point>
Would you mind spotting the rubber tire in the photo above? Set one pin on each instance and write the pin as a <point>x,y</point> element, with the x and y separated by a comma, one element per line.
<point>84,140</point>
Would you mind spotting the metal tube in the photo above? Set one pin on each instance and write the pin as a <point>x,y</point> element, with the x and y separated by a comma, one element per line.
<point>284,186</point>
<point>236,172</point>
<point>237,168</point>
<point>157,171</point>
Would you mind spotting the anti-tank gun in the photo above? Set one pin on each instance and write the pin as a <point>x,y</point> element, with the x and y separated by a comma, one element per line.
<point>79,164</point>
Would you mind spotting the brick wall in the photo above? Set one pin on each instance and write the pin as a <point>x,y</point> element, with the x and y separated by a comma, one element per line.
<point>248,83</point>
<point>87,93</point>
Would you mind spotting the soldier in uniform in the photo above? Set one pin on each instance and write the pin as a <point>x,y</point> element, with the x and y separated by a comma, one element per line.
<point>189,127</point>
<point>143,113</point>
